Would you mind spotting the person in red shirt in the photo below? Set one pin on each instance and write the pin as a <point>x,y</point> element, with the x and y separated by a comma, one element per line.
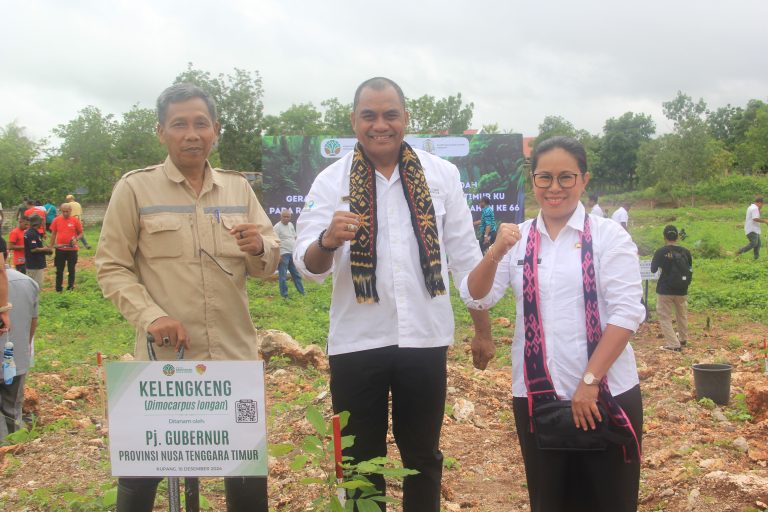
<point>16,244</point>
<point>66,230</point>
<point>32,209</point>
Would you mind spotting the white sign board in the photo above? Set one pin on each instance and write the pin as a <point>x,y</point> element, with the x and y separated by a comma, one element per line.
<point>645,271</point>
<point>187,418</point>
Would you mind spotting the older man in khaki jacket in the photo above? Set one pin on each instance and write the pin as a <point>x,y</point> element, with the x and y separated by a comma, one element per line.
<point>177,243</point>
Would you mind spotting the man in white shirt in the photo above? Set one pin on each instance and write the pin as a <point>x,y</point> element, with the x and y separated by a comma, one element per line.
<point>752,228</point>
<point>385,220</point>
<point>622,216</point>
<point>596,210</point>
<point>287,235</point>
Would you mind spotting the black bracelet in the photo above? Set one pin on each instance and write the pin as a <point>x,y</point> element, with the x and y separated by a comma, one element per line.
<point>320,243</point>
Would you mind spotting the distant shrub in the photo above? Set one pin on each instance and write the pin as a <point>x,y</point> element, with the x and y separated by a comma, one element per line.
<point>708,246</point>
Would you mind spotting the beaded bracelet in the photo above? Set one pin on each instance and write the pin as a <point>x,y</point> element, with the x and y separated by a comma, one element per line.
<point>323,247</point>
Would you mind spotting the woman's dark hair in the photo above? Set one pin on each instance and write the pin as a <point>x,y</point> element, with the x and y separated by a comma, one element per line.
<point>569,144</point>
<point>486,200</point>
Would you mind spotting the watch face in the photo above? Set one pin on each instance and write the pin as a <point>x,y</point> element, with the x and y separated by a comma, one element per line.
<point>589,379</point>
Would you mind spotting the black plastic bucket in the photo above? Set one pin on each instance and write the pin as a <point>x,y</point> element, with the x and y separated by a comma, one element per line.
<point>713,381</point>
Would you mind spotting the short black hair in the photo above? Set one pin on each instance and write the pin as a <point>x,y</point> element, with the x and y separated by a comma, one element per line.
<point>178,93</point>
<point>759,199</point>
<point>593,197</point>
<point>378,83</point>
<point>486,200</point>
<point>670,233</point>
<point>569,144</point>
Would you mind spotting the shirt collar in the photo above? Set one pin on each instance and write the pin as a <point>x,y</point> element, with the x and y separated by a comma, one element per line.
<point>174,174</point>
<point>576,221</point>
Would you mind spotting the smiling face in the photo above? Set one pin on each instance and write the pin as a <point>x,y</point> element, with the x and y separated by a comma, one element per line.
<point>379,123</point>
<point>66,210</point>
<point>558,203</point>
<point>189,133</point>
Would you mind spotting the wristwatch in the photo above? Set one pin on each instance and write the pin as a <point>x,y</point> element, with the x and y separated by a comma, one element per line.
<point>590,380</point>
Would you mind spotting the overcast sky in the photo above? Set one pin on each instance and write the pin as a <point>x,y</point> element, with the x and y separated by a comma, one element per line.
<point>585,60</point>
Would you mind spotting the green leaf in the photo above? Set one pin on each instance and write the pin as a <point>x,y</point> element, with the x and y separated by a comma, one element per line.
<point>110,497</point>
<point>205,504</point>
<point>336,505</point>
<point>298,462</point>
<point>396,472</point>
<point>347,441</point>
<point>343,419</point>
<point>313,445</point>
<point>316,420</point>
<point>354,484</point>
<point>281,450</point>
<point>383,499</point>
<point>367,505</point>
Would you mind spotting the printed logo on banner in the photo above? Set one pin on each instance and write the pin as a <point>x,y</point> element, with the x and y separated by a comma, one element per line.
<point>429,146</point>
<point>332,147</point>
<point>169,370</point>
<point>200,368</point>
<point>309,204</point>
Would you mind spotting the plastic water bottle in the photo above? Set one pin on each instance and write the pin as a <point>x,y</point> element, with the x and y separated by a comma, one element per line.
<point>9,365</point>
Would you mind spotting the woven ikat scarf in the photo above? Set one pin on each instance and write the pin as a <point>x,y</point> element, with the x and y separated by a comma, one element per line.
<point>362,201</point>
<point>537,379</point>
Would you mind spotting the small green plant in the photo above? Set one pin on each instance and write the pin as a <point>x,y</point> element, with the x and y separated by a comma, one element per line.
<point>707,403</point>
<point>734,342</point>
<point>23,435</point>
<point>682,381</point>
<point>315,456</point>
<point>738,410</point>
<point>450,463</point>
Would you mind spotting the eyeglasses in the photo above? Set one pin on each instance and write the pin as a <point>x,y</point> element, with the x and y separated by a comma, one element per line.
<point>565,180</point>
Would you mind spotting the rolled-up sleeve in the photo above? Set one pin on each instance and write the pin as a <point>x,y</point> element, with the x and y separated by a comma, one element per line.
<point>115,263</point>
<point>501,282</point>
<point>462,249</point>
<point>619,281</point>
<point>316,216</point>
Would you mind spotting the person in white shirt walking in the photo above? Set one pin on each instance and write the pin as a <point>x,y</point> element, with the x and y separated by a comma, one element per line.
<point>577,288</point>
<point>621,216</point>
<point>385,219</point>
<point>752,228</point>
<point>286,232</point>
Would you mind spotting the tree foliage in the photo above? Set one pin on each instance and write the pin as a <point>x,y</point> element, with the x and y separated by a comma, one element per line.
<point>17,152</point>
<point>622,138</point>
<point>433,116</point>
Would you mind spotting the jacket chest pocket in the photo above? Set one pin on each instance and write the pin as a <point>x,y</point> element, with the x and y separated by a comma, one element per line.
<point>226,244</point>
<point>163,237</point>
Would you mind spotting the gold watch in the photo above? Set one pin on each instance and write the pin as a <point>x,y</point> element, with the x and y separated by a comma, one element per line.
<point>590,380</point>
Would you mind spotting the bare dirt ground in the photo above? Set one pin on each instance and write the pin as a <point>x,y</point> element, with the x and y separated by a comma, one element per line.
<point>695,457</point>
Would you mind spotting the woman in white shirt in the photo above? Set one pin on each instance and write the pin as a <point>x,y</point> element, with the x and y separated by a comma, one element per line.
<point>573,325</point>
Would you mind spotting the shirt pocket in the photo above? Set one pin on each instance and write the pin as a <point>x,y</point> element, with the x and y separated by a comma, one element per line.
<point>163,237</point>
<point>226,244</point>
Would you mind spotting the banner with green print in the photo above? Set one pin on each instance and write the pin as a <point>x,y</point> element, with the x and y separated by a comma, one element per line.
<point>187,418</point>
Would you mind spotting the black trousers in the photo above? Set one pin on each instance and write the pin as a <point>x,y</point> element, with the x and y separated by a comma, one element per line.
<point>580,481</point>
<point>68,258</point>
<point>416,377</point>
<point>243,494</point>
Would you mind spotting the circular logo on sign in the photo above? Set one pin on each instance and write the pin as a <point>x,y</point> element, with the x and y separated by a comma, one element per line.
<point>169,370</point>
<point>332,147</point>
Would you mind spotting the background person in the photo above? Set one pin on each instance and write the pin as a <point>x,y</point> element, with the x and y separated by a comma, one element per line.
<point>35,250</point>
<point>595,207</point>
<point>177,243</point>
<point>585,272</point>
<point>66,230</point>
<point>286,232</point>
<point>50,214</point>
<point>675,263</point>
<point>487,224</point>
<point>16,244</point>
<point>385,220</point>
<point>22,293</point>
<point>621,216</point>
<point>77,212</point>
<point>752,228</point>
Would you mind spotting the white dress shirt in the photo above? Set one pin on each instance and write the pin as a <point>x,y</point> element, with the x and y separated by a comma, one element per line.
<point>405,315</point>
<point>750,226</point>
<point>561,299</point>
